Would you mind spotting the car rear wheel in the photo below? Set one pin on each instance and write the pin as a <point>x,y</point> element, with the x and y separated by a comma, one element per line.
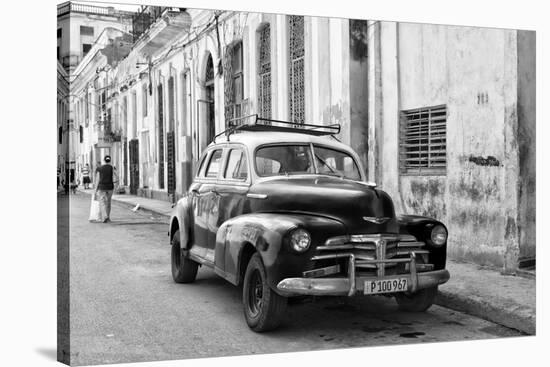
<point>418,301</point>
<point>184,270</point>
<point>263,308</point>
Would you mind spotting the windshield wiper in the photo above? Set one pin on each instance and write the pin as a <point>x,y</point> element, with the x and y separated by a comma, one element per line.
<point>332,171</point>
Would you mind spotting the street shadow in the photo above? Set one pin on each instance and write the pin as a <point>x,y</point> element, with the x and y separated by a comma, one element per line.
<point>49,353</point>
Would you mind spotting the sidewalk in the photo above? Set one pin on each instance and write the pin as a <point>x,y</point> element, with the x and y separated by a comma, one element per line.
<point>482,292</point>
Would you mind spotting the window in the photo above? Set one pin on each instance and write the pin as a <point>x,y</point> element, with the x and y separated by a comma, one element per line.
<point>336,163</point>
<point>233,82</point>
<point>201,164</point>
<point>423,141</point>
<point>236,166</point>
<point>134,115</point>
<point>86,31</point>
<point>86,47</point>
<point>237,68</point>
<point>59,32</point>
<point>284,159</point>
<point>214,164</point>
<point>144,99</point>
<point>183,104</point>
<point>264,71</point>
<point>296,52</point>
<point>60,134</point>
<point>171,104</point>
<point>81,134</point>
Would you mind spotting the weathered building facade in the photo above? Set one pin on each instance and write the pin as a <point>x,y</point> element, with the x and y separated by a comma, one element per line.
<point>452,132</point>
<point>443,117</point>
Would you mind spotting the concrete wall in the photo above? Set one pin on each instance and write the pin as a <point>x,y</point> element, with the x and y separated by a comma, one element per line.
<point>473,71</point>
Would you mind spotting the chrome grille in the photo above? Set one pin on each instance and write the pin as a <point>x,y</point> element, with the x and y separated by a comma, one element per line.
<point>371,251</point>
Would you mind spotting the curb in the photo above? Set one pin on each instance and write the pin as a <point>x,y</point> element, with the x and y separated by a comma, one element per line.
<point>509,315</point>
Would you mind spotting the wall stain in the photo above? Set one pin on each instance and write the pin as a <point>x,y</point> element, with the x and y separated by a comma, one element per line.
<point>480,161</point>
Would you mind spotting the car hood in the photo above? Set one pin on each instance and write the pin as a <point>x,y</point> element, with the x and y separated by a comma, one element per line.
<point>359,207</point>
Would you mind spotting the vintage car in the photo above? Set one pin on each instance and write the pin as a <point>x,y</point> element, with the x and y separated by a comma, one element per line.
<point>288,212</point>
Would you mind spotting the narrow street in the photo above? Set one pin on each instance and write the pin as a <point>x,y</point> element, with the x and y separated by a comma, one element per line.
<point>126,308</point>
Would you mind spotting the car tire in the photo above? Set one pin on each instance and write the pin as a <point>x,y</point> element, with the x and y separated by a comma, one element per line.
<point>418,301</point>
<point>263,308</point>
<point>184,270</point>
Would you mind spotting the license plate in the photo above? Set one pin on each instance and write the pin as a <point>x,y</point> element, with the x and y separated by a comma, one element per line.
<point>385,286</point>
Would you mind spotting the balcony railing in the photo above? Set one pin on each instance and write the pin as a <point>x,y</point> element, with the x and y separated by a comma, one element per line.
<point>69,7</point>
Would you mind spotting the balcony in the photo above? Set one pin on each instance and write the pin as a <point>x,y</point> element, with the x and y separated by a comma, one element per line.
<point>159,26</point>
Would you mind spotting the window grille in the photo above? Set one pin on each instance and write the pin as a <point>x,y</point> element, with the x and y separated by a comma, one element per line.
<point>423,141</point>
<point>264,71</point>
<point>296,69</point>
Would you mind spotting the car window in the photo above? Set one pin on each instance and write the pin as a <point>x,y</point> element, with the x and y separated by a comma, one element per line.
<point>214,164</point>
<point>236,166</point>
<point>334,162</point>
<point>284,159</point>
<point>201,164</point>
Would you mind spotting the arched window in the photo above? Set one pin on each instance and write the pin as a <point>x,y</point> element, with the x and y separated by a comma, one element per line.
<point>296,51</point>
<point>264,71</point>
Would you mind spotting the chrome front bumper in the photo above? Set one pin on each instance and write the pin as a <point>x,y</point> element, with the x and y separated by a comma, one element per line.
<point>352,284</point>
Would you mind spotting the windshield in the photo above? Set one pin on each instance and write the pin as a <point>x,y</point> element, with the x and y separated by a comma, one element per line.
<point>299,159</point>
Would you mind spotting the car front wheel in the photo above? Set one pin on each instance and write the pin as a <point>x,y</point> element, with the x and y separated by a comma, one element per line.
<point>184,270</point>
<point>263,308</point>
<point>418,301</point>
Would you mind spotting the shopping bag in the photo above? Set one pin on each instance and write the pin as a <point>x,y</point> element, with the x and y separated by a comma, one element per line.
<point>95,210</point>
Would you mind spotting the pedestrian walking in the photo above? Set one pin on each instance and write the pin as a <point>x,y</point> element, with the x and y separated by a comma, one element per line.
<point>106,179</point>
<point>86,176</point>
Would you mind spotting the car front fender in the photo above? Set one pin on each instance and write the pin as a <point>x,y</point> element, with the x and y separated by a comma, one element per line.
<point>420,227</point>
<point>266,233</point>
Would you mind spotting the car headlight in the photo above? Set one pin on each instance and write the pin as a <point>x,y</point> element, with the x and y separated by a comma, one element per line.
<point>300,240</point>
<point>439,235</point>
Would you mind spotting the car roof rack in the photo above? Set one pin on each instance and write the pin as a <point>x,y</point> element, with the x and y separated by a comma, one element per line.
<point>256,123</point>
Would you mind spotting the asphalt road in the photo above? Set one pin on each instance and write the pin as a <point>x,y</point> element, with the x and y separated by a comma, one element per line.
<point>124,306</point>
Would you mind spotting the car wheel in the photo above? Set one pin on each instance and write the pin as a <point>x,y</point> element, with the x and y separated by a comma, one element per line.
<point>263,308</point>
<point>184,270</point>
<point>418,301</point>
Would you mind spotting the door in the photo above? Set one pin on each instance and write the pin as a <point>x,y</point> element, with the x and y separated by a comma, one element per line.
<point>171,164</point>
<point>231,191</point>
<point>205,205</point>
<point>134,166</point>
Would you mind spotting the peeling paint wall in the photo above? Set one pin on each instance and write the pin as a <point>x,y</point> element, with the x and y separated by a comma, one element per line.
<point>473,71</point>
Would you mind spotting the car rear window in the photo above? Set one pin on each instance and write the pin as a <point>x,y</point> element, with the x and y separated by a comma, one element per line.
<point>236,166</point>
<point>214,164</point>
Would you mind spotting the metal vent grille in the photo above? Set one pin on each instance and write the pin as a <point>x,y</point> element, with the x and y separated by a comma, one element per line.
<point>423,141</point>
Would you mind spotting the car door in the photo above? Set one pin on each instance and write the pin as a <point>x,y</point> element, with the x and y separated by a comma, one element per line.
<point>231,188</point>
<point>204,203</point>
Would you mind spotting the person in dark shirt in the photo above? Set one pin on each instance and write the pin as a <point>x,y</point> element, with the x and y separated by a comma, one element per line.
<point>105,179</point>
